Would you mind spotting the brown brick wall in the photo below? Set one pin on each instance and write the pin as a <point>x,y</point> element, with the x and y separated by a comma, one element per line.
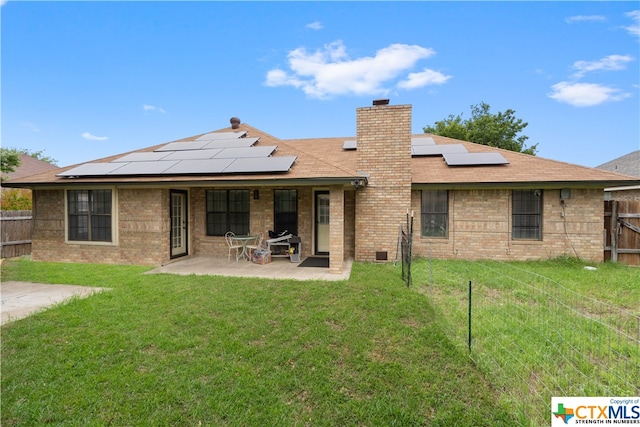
<point>336,229</point>
<point>261,219</point>
<point>384,152</point>
<point>480,227</point>
<point>143,222</point>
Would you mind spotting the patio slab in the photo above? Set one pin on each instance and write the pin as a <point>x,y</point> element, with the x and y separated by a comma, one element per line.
<point>20,299</point>
<point>279,268</point>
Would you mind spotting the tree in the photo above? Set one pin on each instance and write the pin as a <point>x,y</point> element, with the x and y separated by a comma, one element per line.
<point>496,130</point>
<point>9,160</point>
<point>39,155</point>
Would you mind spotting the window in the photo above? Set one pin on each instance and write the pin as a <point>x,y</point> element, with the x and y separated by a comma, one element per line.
<point>285,211</point>
<point>435,213</point>
<point>227,210</point>
<point>89,215</point>
<point>526,214</point>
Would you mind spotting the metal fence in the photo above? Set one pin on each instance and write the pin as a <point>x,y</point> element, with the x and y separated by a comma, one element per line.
<point>535,337</point>
<point>406,240</point>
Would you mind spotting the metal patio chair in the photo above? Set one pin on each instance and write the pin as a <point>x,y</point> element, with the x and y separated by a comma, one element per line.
<point>232,244</point>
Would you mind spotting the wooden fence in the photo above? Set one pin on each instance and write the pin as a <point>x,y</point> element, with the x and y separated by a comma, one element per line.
<point>15,233</point>
<point>622,231</point>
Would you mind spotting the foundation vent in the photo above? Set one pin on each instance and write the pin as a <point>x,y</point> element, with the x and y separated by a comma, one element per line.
<point>382,256</point>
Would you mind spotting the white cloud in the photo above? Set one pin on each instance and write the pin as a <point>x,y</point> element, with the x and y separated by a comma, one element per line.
<point>608,63</point>
<point>634,28</point>
<point>585,94</point>
<point>329,71</point>
<point>424,78</point>
<point>3,2</point>
<point>147,107</point>
<point>91,137</point>
<point>315,26</point>
<point>585,18</point>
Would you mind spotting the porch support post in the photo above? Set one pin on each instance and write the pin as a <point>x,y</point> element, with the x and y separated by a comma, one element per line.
<point>336,229</point>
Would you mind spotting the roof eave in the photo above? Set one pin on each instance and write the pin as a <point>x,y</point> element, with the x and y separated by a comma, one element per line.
<point>271,181</point>
<point>552,185</point>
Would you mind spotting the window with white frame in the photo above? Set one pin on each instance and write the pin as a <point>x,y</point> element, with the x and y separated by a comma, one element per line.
<point>526,215</point>
<point>435,213</point>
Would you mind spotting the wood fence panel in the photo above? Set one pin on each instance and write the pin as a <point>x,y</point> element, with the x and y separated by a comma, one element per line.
<point>622,231</point>
<point>15,233</point>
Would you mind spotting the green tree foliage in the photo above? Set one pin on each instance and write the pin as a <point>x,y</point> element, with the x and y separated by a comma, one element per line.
<point>9,160</point>
<point>38,155</point>
<point>496,130</point>
<point>15,199</point>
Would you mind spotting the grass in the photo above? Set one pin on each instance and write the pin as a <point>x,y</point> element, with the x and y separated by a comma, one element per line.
<point>542,329</point>
<point>203,350</point>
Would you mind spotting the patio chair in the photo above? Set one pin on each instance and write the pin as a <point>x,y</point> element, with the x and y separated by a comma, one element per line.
<point>256,245</point>
<point>232,244</point>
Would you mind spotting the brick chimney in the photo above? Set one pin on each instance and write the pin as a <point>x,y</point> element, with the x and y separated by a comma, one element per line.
<point>384,153</point>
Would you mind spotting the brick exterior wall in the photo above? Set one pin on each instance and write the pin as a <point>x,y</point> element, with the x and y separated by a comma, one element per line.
<point>336,229</point>
<point>384,152</point>
<point>480,227</point>
<point>142,218</point>
<point>262,220</point>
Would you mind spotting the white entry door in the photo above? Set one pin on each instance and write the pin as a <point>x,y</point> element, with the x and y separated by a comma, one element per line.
<point>322,222</point>
<point>178,223</point>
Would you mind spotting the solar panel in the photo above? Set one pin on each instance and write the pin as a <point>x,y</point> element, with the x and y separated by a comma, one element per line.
<point>350,145</point>
<point>437,150</point>
<point>202,166</point>
<point>423,141</point>
<point>221,135</point>
<point>474,159</point>
<point>231,143</point>
<point>142,157</point>
<point>142,168</point>
<point>92,169</point>
<point>191,154</point>
<point>180,146</point>
<point>257,165</point>
<point>245,152</point>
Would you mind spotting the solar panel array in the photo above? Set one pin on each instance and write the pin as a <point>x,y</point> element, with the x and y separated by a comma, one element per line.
<point>350,145</point>
<point>437,150</point>
<point>453,154</point>
<point>213,153</point>
<point>474,159</point>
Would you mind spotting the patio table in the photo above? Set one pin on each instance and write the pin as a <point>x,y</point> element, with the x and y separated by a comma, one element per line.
<point>244,241</point>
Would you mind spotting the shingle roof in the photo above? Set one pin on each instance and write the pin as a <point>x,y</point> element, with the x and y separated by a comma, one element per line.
<point>28,166</point>
<point>522,169</point>
<point>325,160</point>
<point>628,164</point>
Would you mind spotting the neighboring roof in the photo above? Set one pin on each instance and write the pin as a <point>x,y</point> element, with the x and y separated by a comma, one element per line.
<point>323,160</point>
<point>30,166</point>
<point>629,164</point>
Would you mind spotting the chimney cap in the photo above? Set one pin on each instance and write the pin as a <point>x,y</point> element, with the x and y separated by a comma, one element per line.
<point>235,122</point>
<point>380,102</point>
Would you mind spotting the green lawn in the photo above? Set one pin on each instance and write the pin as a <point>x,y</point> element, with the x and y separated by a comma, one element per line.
<point>167,350</point>
<point>542,329</point>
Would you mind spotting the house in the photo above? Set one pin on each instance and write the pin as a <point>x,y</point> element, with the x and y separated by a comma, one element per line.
<point>15,218</point>
<point>29,165</point>
<point>344,197</point>
<point>629,164</point>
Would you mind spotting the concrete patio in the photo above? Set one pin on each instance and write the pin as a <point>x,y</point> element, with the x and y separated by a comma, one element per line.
<point>279,268</point>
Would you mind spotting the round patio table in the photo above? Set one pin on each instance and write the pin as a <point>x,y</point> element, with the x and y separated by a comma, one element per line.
<point>244,240</point>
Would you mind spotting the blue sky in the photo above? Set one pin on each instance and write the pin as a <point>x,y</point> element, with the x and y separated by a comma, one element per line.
<point>85,80</point>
